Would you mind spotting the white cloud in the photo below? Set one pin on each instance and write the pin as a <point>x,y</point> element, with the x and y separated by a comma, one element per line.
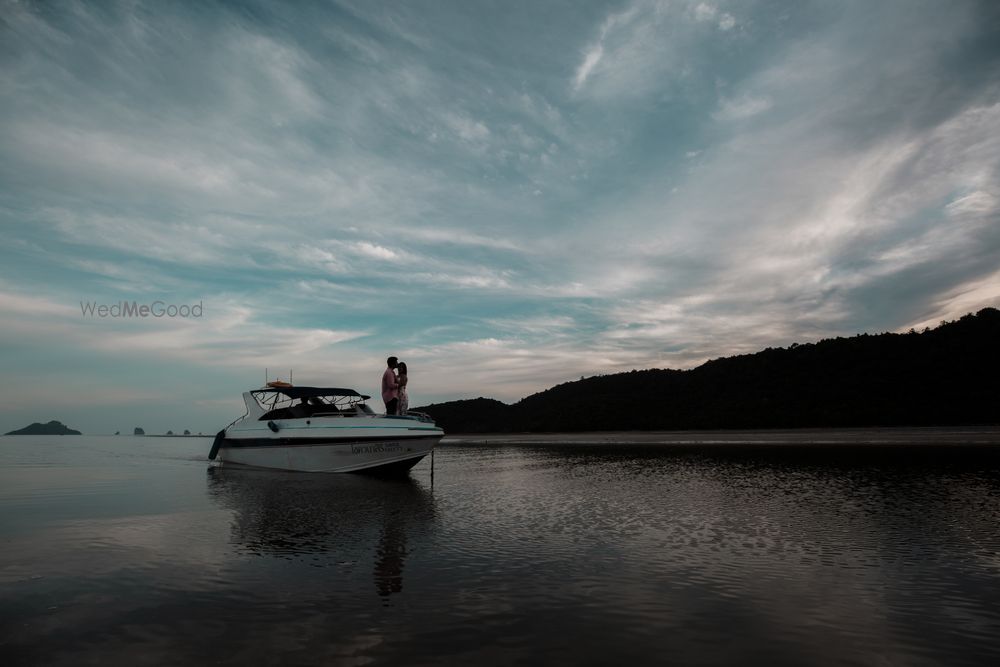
<point>14,305</point>
<point>467,129</point>
<point>285,71</point>
<point>742,107</point>
<point>593,55</point>
<point>457,236</point>
<point>649,48</point>
<point>705,12</point>
<point>977,202</point>
<point>590,60</point>
<point>958,301</point>
<point>548,325</point>
<point>485,279</point>
<point>377,251</point>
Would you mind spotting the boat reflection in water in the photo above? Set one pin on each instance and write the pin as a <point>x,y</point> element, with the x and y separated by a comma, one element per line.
<point>341,522</point>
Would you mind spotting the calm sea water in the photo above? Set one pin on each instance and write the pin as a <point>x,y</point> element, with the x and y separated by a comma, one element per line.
<point>133,551</point>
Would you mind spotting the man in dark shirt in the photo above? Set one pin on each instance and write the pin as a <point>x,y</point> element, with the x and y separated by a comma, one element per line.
<point>390,387</point>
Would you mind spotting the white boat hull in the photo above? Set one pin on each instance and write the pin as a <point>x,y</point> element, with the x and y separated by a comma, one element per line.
<point>347,455</point>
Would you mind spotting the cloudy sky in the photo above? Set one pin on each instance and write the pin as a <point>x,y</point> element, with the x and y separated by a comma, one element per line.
<point>507,195</point>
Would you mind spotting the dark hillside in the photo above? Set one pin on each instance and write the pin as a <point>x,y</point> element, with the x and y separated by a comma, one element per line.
<point>475,415</point>
<point>945,376</point>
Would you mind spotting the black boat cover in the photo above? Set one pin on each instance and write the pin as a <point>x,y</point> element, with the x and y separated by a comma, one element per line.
<point>309,392</point>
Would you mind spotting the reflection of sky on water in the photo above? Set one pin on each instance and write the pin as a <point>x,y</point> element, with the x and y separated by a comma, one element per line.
<point>589,555</point>
<point>770,543</point>
<point>864,544</point>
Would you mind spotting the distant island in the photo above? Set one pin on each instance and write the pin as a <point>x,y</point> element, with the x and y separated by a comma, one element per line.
<point>138,431</point>
<point>945,376</point>
<point>52,428</point>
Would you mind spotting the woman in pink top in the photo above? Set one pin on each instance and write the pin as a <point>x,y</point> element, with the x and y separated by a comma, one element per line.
<point>402,380</point>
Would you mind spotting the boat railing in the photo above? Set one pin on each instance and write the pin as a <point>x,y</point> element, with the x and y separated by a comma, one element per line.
<point>422,416</point>
<point>240,418</point>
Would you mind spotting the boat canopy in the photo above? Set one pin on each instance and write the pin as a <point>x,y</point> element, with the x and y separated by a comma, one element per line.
<point>309,392</point>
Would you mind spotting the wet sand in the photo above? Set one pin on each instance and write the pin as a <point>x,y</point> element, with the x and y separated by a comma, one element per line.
<point>980,435</point>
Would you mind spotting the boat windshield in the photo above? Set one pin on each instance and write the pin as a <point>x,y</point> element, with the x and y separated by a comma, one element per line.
<point>295,402</point>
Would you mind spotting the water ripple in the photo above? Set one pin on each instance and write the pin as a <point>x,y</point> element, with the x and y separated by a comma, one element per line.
<point>516,554</point>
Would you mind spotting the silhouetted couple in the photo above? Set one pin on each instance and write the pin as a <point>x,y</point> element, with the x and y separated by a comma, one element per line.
<point>394,395</point>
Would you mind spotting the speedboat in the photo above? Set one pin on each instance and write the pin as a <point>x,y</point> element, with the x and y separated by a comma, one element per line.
<point>322,429</point>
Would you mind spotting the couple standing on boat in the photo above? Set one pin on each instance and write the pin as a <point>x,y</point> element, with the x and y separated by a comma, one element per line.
<point>394,395</point>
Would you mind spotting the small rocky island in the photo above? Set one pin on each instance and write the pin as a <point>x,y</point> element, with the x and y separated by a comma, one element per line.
<point>138,431</point>
<point>52,428</point>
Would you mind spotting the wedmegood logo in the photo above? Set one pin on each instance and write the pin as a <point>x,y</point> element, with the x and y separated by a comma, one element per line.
<point>124,309</point>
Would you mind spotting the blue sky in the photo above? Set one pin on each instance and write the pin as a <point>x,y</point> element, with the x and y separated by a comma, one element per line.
<point>505,195</point>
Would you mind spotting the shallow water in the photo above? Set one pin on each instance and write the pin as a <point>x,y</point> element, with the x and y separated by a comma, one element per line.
<point>121,550</point>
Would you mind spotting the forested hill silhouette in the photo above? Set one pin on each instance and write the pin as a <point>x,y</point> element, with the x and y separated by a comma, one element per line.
<point>949,375</point>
